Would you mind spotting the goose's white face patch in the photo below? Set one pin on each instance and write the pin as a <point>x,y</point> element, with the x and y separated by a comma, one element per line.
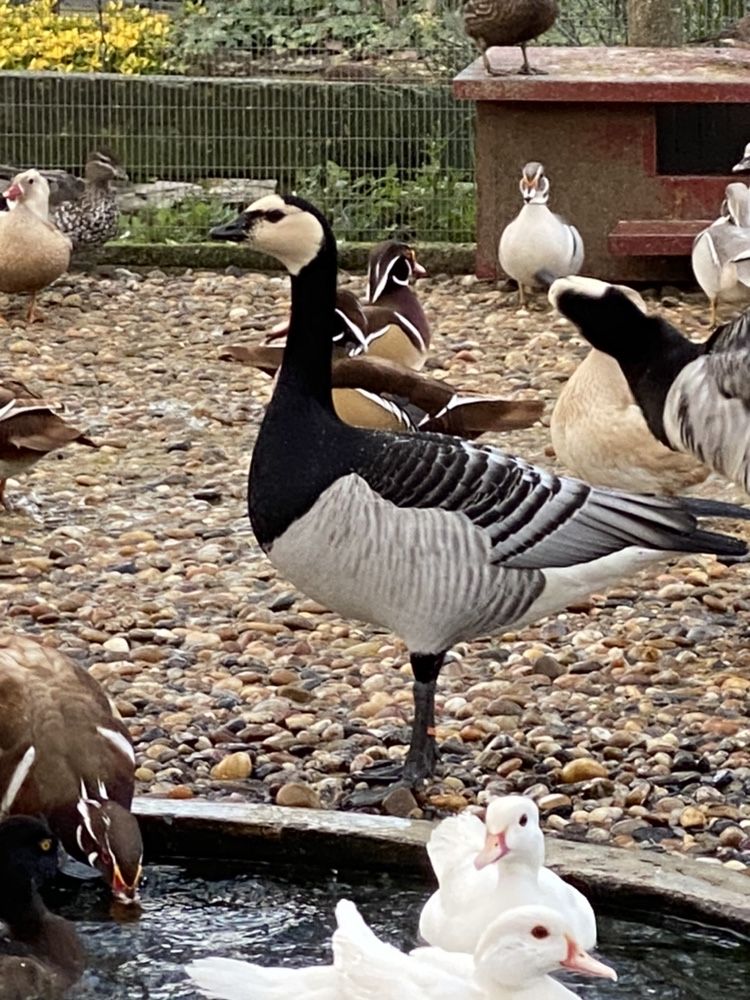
<point>284,231</point>
<point>591,287</point>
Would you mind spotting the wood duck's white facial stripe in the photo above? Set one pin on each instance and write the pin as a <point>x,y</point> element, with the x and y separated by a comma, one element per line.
<point>382,281</point>
<point>17,779</point>
<point>118,741</point>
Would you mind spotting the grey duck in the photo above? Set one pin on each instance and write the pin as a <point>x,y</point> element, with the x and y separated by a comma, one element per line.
<point>508,22</point>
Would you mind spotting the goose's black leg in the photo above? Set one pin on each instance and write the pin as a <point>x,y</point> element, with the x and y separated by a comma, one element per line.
<point>422,756</point>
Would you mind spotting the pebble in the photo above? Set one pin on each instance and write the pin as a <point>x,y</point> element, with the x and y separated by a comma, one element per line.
<point>298,796</point>
<point>582,769</point>
<point>233,767</point>
<point>629,711</point>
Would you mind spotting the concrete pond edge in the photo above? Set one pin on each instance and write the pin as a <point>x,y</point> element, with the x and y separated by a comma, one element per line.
<point>614,878</point>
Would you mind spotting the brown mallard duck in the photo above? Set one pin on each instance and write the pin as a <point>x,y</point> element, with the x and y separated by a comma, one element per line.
<point>66,755</point>
<point>508,22</point>
<point>41,956</point>
<point>30,428</point>
<point>33,252</point>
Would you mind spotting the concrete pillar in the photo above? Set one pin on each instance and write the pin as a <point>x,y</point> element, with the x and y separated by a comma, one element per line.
<point>655,23</point>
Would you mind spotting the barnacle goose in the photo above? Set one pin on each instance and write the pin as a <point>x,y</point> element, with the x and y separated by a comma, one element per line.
<point>695,397</point>
<point>430,536</point>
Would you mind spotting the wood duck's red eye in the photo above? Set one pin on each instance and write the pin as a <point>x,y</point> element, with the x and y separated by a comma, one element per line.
<point>539,932</point>
<point>523,820</point>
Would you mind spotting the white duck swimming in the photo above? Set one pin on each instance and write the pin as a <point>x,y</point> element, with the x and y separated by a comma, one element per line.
<point>511,962</point>
<point>485,869</point>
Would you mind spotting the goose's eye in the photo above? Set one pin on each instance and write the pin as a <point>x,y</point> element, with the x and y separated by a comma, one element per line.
<point>275,215</point>
<point>523,820</point>
<point>539,932</point>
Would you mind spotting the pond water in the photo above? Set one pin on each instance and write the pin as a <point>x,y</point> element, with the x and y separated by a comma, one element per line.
<point>276,916</point>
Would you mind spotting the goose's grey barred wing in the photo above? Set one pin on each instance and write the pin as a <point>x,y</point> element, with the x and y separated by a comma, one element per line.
<point>532,518</point>
<point>707,413</point>
<point>731,336</point>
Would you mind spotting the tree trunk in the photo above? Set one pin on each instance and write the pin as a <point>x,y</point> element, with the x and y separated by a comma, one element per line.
<point>390,11</point>
<point>655,23</point>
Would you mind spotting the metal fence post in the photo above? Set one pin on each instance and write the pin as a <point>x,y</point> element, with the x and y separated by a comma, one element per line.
<point>655,23</point>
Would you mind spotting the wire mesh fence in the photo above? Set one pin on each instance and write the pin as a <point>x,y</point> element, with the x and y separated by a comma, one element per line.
<point>348,102</point>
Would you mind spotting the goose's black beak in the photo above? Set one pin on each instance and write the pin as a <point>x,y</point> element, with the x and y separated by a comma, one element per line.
<point>234,231</point>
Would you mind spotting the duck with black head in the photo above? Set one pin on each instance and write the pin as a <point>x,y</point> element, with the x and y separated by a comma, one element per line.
<point>435,538</point>
<point>66,755</point>
<point>40,955</point>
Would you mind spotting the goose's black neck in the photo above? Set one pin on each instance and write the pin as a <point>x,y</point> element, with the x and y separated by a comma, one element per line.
<point>306,368</point>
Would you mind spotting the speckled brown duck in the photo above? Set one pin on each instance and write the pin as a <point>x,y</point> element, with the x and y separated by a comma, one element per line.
<point>508,22</point>
<point>40,953</point>
<point>66,755</point>
<point>30,428</point>
<point>33,252</point>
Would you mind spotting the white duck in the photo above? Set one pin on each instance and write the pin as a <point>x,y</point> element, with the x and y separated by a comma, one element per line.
<point>599,432</point>
<point>743,165</point>
<point>721,252</point>
<point>485,869</point>
<point>511,962</point>
<point>537,240</point>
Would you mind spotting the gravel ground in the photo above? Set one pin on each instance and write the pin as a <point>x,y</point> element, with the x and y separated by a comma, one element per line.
<point>627,719</point>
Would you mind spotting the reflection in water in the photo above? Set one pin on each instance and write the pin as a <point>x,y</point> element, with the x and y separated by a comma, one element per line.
<point>280,917</point>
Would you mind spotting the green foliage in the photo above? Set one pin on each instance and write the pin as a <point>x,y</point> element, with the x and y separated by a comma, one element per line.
<point>208,30</point>
<point>434,202</point>
<point>186,222</point>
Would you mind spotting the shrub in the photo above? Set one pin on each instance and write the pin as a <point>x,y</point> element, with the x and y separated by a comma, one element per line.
<point>120,39</point>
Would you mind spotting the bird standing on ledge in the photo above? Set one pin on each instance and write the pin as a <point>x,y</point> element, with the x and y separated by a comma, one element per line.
<point>508,22</point>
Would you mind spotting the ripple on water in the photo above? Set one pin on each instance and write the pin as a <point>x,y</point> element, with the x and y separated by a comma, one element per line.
<point>276,917</point>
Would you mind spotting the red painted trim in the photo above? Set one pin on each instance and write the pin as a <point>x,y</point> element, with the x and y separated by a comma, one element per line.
<point>654,237</point>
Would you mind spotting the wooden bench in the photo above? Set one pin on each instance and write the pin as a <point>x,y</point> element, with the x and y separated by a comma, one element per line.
<point>654,237</point>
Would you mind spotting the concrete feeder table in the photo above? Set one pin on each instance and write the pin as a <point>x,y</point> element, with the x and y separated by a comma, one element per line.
<point>638,144</point>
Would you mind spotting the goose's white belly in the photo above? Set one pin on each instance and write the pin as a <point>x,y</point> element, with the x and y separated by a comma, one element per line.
<point>425,574</point>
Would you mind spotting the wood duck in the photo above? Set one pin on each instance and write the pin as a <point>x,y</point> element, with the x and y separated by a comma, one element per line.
<point>600,434</point>
<point>397,328</point>
<point>30,428</point>
<point>33,252</point>
<point>508,22</point>
<point>537,240</point>
<point>40,956</point>
<point>721,253</point>
<point>374,392</point>
<point>435,538</point>
<point>64,754</point>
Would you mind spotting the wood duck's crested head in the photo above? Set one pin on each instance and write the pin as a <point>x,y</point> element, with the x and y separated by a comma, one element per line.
<point>30,188</point>
<point>110,839</point>
<point>392,264</point>
<point>352,323</point>
<point>287,228</point>
<point>534,184</point>
<point>102,168</point>
<point>28,850</point>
